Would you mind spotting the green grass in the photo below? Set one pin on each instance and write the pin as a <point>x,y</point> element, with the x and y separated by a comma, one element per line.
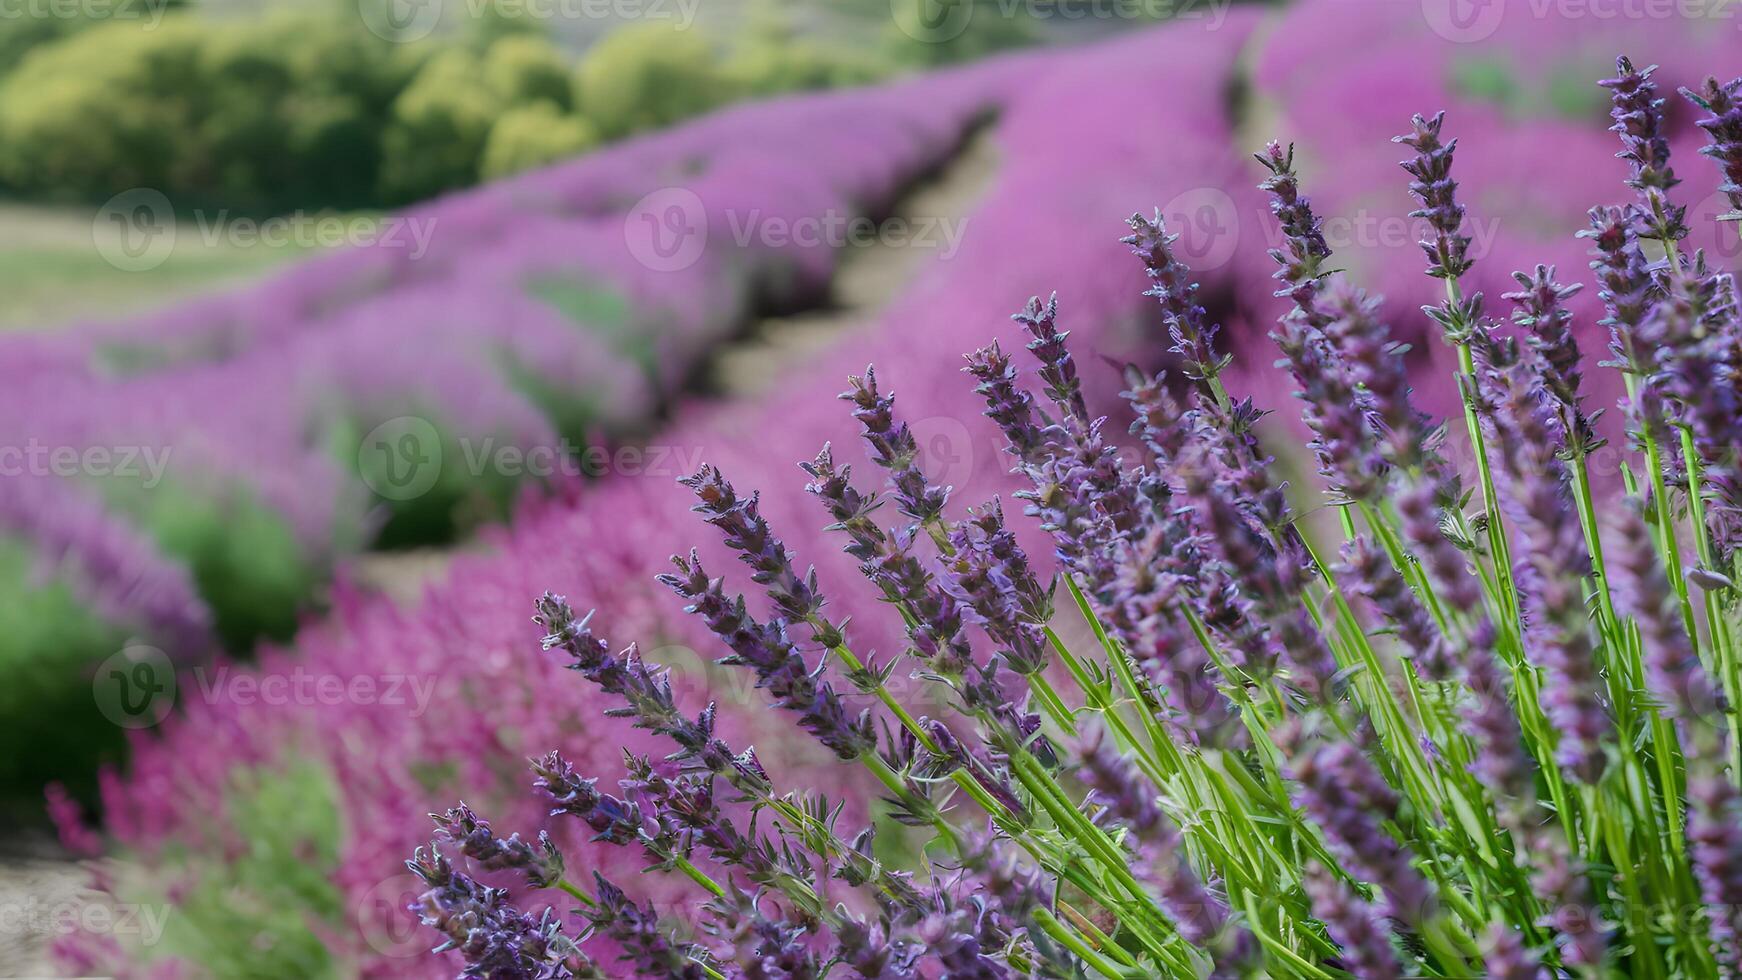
<point>55,275</point>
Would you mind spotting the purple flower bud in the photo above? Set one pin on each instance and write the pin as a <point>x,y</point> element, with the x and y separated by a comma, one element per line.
<point>989,574</point>
<point>1357,926</point>
<point>1007,405</point>
<point>1431,183</point>
<point>1057,369</point>
<point>1549,334</point>
<point>1172,286</point>
<point>1714,833</point>
<point>1505,957</point>
<point>1673,672</point>
<point>1375,363</point>
<point>894,448</point>
<point>1126,797</point>
<point>779,666</point>
<point>1624,284</point>
<point>1638,116</point>
<point>1332,409</point>
<point>636,929</point>
<point>1347,798</point>
<point>1305,249</point>
<point>613,820</point>
<point>1383,585</point>
<point>850,509</point>
<point>1540,505</point>
<point>496,939</point>
<point>748,534</point>
<point>542,865</point>
<point>1724,125</point>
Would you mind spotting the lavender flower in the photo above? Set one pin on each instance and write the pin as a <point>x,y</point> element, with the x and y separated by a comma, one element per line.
<point>1714,833</point>
<point>748,534</point>
<point>1542,510</point>
<point>1505,957</point>
<point>1550,336</point>
<point>1201,917</point>
<point>1057,369</point>
<point>1299,265</point>
<point>1674,675</point>
<point>760,946</point>
<point>636,929</point>
<point>1007,405</point>
<point>1344,795</point>
<point>1383,585</point>
<point>1172,286</point>
<point>614,821</point>
<point>1431,183</point>
<point>498,941</point>
<point>542,865</point>
<point>779,667</point>
<point>893,447</point>
<point>1357,926</point>
<point>1342,441</point>
<point>1724,125</point>
<point>1638,115</point>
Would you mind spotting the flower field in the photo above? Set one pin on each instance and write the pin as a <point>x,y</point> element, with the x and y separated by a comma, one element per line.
<point>1304,685</point>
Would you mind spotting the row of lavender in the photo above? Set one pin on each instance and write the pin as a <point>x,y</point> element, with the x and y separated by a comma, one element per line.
<point>1107,130</point>
<point>196,473</point>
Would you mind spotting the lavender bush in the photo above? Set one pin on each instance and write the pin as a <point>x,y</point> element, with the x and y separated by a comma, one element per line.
<point>1491,735</point>
<point>529,323</point>
<point>489,706</point>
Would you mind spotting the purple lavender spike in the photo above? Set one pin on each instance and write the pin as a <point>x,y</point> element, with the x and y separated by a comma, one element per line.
<point>1431,183</point>
<point>1347,798</point>
<point>1202,918</point>
<point>1057,368</point>
<point>893,447</point>
<point>1505,957</point>
<point>1558,563</point>
<point>1299,265</point>
<point>1724,125</point>
<point>1549,333</point>
<point>747,533</point>
<point>779,666</point>
<point>496,939</point>
<point>1007,405</point>
<point>1674,675</point>
<point>1172,286</point>
<point>637,930</point>
<point>1638,116</point>
<point>1378,580</point>
<point>1332,409</point>
<point>542,865</point>
<point>1714,833</point>
<point>1357,926</point>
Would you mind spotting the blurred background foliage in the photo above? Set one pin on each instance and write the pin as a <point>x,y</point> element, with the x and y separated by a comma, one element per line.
<point>304,105</point>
